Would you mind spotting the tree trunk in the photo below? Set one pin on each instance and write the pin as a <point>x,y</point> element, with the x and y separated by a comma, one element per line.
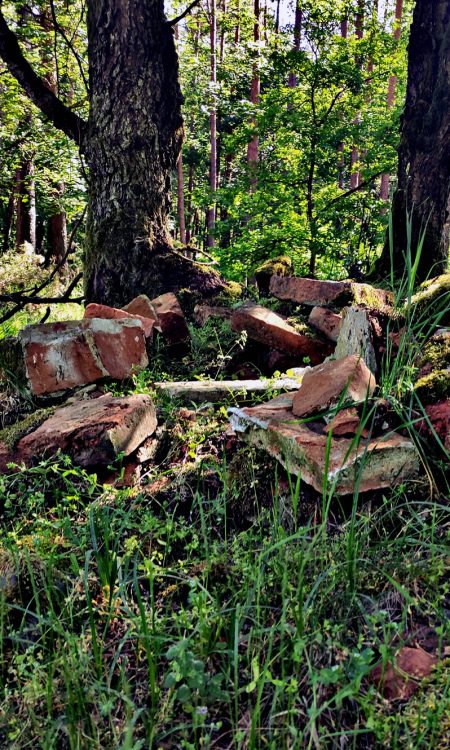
<point>355,176</point>
<point>134,139</point>
<point>131,143</point>
<point>341,148</point>
<point>253,146</point>
<point>26,205</point>
<point>424,153</point>
<point>8,222</point>
<point>57,233</point>
<point>237,28</point>
<point>211,213</point>
<point>189,203</point>
<point>180,202</point>
<point>392,85</point>
<point>292,83</point>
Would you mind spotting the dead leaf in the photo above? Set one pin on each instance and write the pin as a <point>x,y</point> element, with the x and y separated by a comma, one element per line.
<point>400,680</point>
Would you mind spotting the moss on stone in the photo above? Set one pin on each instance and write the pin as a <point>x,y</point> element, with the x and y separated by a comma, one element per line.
<point>279,266</point>
<point>432,297</point>
<point>433,387</point>
<point>11,435</point>
<point>231,293</point>
<point>436,353</point>
<point>370,296</point>
<point>303,328</point>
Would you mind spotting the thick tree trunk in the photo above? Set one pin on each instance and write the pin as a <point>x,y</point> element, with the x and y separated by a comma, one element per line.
<point>134,137</point>
<point>424,153</point>
<point>131,142</point>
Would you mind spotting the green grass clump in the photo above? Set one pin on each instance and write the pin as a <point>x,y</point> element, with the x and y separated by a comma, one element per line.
<point>155,618</point>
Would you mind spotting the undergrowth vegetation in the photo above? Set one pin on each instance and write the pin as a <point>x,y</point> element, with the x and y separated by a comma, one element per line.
<point>221,603</point>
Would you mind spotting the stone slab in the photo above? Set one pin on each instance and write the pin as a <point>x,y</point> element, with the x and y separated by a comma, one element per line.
<point>368,464</point>
<point>92,431</point>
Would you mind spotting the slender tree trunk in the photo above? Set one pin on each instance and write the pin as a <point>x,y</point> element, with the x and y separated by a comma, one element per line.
<point>26,205</point>
<point>341,149</point>
<point>223,33</point>
<point>292,83</point>
<point>237,29</point>
<point>392,86</point>
<point>57,236</point>
<point>180,193</point>
<point>211,213</point>
<point>253,146</point>
<point>189,203</point>
<point>355,176</point>
<point>8,222</point>
<point>277,17</point>
<point>310,208</point>
<point>424,153</point>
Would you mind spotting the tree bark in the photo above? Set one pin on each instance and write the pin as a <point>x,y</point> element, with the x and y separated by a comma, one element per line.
<point>292,82</point>
<point>253,146</point>
<point>211,213</point>
<point>180,201</point>
<point>392,86</point>
<point>341,148</point>
<point>57,231</point>
<point>355,176</point>
<point>424,154</point>
<point>131,142</point>
<point>8,221</point>
<point>26,205</point>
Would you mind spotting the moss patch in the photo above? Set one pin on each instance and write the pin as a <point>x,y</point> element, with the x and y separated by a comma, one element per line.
<point>303,328</point>
<point>11,435</point>
<point>370,296</point>
<point>280,266</point>
<point>232,292</point>
<point>433,387</point>
<point>436,353</point>
<point>434,297</point>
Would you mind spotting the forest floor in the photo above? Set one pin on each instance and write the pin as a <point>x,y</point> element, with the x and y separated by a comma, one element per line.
<point>220,602</point>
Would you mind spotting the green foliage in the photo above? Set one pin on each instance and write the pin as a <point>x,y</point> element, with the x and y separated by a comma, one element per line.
<point>307,134</point>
